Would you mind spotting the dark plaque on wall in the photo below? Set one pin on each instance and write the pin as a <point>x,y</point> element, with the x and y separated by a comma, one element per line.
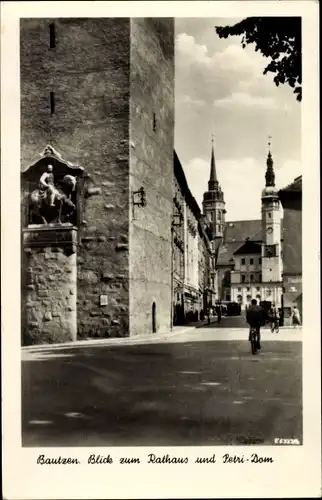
<point>63,236</point>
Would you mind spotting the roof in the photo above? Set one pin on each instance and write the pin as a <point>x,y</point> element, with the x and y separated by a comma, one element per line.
<point>295,186</point>
<point>249,247</point>
<point>213,173</point>
<point>181,178</point>
<point>226,253</point>
<point>239,230</point>
<point>236,235</point>
<point>292,192</point>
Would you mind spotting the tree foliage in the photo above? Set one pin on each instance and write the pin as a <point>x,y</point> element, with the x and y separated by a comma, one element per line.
<point>279,39</point>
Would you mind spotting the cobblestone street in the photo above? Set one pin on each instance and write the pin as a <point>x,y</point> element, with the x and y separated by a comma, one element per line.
<point>193,387</point>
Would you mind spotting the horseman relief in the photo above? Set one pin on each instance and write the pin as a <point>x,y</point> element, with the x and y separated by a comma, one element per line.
<point>51,187</point>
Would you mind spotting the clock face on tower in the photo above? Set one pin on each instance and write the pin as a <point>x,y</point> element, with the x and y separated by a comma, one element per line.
<point>269,230</point>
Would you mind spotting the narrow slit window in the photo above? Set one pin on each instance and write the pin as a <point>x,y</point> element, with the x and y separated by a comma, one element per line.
<point>52,102</point>
<point>52,36</point>
<point>154,122</point>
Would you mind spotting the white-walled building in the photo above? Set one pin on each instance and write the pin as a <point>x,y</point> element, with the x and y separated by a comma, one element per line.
<point>193,265</point>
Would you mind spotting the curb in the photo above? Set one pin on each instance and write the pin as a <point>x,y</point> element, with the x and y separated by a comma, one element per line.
<point>138,339</point>
<point>177,332</point>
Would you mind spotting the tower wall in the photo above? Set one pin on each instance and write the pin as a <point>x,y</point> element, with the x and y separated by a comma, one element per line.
<point>49,298</point>
<point>88,71</point>
<point>271,230</point>
<point>271,218</point>
<point>213,208</point>
<point>151,166</point>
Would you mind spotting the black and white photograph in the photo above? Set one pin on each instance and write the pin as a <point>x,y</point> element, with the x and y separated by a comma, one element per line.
<point>160,301</point>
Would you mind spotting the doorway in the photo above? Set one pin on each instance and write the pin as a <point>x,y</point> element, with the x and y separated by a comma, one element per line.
<point>154,321</point>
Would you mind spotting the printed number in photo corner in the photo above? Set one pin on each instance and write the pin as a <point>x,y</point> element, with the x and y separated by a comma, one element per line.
<point>286,441</point>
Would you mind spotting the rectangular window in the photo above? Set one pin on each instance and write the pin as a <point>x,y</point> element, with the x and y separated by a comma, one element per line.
<point>243,261</point>
<point>269,215</point>
<point>219,216</point>
<point>251,261</point>
<point>251,277</point>
<point>243,278</point>
<point>239,289</point>
<point>260,260</point>
<point>52,102</point>
<point>52,36</point>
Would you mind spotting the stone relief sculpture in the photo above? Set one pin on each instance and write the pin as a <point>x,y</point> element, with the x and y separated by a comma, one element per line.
<point>46,183</point>
<point>48,197</point>
<point>51,196</point>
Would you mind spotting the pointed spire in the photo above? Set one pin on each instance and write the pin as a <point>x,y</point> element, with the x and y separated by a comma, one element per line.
<point>213,182</point>
<point>270,175</point>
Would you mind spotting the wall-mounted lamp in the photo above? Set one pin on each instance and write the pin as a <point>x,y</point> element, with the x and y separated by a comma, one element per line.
<point>139,197</point>
<point>177,220</point>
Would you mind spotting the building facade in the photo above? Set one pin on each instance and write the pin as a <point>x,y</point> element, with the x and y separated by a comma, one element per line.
<point>151,168</point>
<point>95,109</point>
<point>207,273</point>
<point>192,269</point>
<point>291,199</point>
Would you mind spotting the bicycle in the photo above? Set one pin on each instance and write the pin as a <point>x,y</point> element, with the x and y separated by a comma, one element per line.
<point>254,339</point>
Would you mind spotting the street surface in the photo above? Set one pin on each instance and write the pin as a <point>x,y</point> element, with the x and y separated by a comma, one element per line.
<point>197,386</point>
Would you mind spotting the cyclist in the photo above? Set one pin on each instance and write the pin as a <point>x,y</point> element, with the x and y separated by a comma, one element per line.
<point>274,317</point>
<point>255,317</point>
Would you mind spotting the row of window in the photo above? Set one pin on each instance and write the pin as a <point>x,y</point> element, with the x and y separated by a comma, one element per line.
<point>212,216</point>
<point>251,278</point>
<point>251,261</point>
<point>248,298</point>
<point>248,289</point>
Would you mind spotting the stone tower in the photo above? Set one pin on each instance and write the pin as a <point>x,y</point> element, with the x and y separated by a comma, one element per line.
<point>213,202</point>
<point>100,266</point>
<point>271,228</point>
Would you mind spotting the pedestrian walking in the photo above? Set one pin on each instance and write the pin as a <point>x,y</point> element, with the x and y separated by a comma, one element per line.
<point>274,318</point>
<point>218,311</point>
<point>296,318</point>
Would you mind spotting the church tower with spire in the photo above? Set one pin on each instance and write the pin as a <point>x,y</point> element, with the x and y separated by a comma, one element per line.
<point>271,232</point>
<point>213,204</point>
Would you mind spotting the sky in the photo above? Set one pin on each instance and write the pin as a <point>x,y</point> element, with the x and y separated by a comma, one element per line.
<point>220,89</point>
